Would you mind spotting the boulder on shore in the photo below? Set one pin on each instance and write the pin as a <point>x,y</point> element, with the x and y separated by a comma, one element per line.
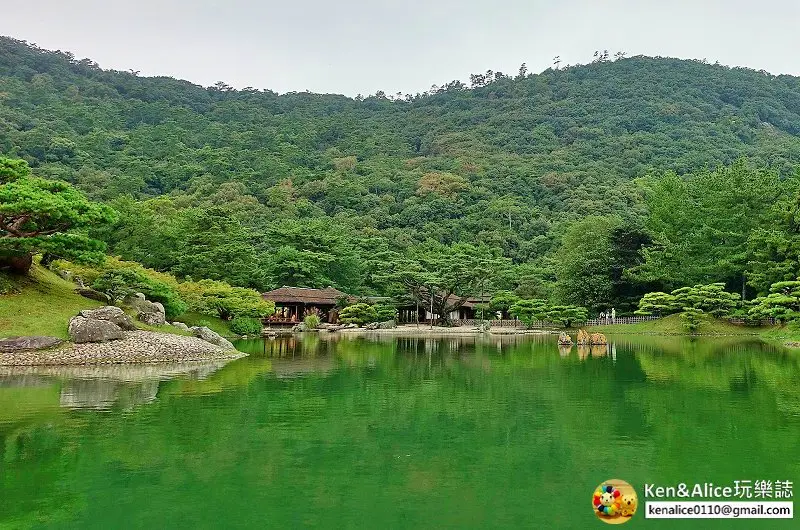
<point>207,335</point>
<point>91,294</point>
<point>181,325</point>
<point>82,329</point>
<point>299,328</point>
<point>14,344</point>
<point>389,324</point>
<point>372,326</point>
<point>151,313</point>
<point>112,314</point>
<point>152,318</point>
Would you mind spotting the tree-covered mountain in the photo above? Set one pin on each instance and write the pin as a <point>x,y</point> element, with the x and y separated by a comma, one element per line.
<point>263,189</point>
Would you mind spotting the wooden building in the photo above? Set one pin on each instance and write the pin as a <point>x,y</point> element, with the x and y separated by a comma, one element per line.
<point>292,304</point>
<point>468,311</point>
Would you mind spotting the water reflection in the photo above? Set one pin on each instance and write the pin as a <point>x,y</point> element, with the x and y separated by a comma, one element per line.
<point>103,387</point>
<point>391,432</point>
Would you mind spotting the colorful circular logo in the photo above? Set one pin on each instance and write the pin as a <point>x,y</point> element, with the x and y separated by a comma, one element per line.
<point>614,501</point>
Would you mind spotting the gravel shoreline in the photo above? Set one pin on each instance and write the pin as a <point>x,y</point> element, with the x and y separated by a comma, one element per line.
<point>136,347</point>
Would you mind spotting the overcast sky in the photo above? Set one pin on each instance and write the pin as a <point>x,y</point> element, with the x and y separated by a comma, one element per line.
<point>361,46</point>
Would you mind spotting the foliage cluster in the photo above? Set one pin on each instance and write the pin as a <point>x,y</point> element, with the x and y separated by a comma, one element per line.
<point>530,311</point>
<point>541,184</point>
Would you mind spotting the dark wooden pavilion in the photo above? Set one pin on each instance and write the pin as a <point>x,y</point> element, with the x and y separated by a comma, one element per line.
<point>292,304</point>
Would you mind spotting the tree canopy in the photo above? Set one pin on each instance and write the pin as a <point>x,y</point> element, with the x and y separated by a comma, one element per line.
<point>587,185</point>
<point>46,216</point>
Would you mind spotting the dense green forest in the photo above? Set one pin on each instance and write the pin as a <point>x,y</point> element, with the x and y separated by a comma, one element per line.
<point>587,185</point>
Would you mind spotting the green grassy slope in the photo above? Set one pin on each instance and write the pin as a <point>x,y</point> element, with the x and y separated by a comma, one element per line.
<point>43,306</point>
<point>214,324</point>
<point>672,325</point>
<point>43,303</point>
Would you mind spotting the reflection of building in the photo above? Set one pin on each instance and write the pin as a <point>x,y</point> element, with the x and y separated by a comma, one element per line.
<point>468,311</point>
<point>293,303</point>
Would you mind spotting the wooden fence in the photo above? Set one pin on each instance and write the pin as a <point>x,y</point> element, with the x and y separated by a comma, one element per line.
<point>541,324</point>
<point>544,324</point>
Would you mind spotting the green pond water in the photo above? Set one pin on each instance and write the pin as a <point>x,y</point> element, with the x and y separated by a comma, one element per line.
<point>394,433</point>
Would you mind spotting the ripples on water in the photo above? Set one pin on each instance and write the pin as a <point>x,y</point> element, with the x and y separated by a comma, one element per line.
<point>329,431</point>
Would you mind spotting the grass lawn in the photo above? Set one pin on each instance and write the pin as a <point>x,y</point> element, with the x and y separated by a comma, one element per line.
<point>673,325</point>
<point>784,335</point>
<point>43,306</point>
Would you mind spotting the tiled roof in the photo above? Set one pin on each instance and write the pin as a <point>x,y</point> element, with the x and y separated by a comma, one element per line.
<point>304,295</point>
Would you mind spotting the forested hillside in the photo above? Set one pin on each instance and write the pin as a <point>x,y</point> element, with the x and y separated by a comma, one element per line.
<point>567,173</point>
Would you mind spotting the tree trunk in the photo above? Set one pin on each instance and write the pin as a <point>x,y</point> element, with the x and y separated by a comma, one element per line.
<point>16,263</point>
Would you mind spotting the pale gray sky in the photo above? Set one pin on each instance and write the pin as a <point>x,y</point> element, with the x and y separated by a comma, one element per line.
<point>361,46</point>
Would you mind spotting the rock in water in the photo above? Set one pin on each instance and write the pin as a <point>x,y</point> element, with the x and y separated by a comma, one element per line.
<point>564,339</point>
<point>207,335</point>
<point>82,329</point>
<point>583,337</point>
<point>13,344</point>
<point>598,339</point>
<point>112,314</point>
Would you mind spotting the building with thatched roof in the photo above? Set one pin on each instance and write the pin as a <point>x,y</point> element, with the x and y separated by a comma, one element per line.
<point>292,304</point>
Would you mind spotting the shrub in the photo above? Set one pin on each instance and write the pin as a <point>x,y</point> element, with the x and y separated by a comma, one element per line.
<point>358,314</point>
<point>529,311</point>
<point>691,318</point>
<point>246,326</point>
<point>385,312</point>
<point>226,301</point>
<point>311,321</point>
<point>121,283</point>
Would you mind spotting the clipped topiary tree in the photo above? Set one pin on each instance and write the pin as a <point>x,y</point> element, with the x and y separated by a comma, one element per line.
<point>385,312</point>
<point>529,311</point>
<point>657,303</point>
<point>358,314</point>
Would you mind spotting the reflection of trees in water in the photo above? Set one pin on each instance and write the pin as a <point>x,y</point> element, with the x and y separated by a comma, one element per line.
<point>490,423</point>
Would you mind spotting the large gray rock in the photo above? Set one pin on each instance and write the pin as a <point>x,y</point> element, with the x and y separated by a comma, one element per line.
<point>13,344</point>
<point>112,314</point>
<point>372,326</point>
<point>389,324</point>
<point>152,318</point>
<point>91,294</point>
<point>181,325</point>
<point>207,335</point>
<point>142,305</point>
<point>151,313</point>
<point>299,328</point>
<point>82,329</point>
